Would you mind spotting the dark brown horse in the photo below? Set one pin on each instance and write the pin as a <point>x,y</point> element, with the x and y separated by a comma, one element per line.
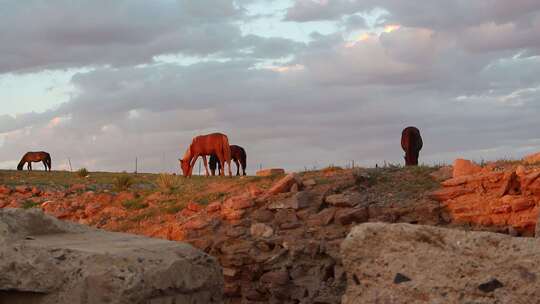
<point>411,142</point>
<point>35,157</point>
<point>238,155</point>
<point>205,145</point>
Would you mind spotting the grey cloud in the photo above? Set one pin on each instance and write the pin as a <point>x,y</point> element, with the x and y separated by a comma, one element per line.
<point>44,35</point>
<point>470,97</point>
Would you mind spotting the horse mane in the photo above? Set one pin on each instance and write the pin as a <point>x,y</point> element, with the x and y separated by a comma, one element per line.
<point>188,153</point>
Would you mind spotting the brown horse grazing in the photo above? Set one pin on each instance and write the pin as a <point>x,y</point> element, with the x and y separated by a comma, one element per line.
<point>35,157</point>
<point>204,145</point>
<point>238,155</point>
<point>411,142</point>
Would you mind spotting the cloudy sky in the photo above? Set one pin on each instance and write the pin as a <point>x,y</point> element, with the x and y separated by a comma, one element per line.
<point>298,83</point>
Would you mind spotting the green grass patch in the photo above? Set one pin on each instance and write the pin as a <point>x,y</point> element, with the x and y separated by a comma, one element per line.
<point>28,204</point>
<point>135,204</point>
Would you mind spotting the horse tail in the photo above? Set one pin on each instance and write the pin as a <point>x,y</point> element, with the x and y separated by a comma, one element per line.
<point>49,161</point>
<point>243,158</point>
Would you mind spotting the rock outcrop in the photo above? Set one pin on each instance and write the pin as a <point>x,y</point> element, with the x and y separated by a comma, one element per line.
<point>44,260</point>
<point>495,197</point>
<point>532,159</point>
<point>403,263</point>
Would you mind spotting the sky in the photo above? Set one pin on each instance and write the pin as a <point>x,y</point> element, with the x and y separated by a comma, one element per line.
<point>298,83</point>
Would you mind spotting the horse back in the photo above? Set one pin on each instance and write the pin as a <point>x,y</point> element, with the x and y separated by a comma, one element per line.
<point>411,139</point>
<point>209,144</point>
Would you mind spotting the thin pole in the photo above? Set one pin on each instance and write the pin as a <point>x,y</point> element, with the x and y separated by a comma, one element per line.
<point>70,168</point>
<point>136,164</point>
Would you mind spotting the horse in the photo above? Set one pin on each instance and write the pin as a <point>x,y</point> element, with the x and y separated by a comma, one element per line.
<point>35,157</point>
<point>411,142</point>
<point>238,155</point>
<point>204,145</point>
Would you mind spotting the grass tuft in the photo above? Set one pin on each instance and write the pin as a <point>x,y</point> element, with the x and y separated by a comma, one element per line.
<point>123,182</point>
<point>28,204</point>
<point>168,183</point>
<point>82,172</point>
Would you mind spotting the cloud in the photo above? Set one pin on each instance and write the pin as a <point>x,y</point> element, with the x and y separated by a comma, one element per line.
<point>464,73</point>
<point>40,35</point>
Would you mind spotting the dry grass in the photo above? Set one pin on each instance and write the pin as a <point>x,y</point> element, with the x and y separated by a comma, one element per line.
<point>82,173</point>
<point>123,182</point>
<point>168,183</point>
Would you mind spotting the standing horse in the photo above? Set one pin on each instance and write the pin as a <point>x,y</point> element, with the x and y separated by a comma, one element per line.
<point>35,157</point>
<point>238,155</point>
<point>411,142</point>
<point>204,145</point>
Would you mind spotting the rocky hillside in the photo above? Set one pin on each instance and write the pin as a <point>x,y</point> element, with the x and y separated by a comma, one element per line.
<point>268,233</point>
<point>278,238</point>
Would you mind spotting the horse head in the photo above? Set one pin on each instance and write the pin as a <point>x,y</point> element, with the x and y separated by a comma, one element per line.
<point>184,165</point>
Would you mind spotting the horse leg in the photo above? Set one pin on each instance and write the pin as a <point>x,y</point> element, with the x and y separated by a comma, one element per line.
<point>221,163</point>
<point>205,165</point>
<point>192,164</point>
<point>44,164</point>
<point>230,170</point>
<point>29,166</point>
<point>237,167</point>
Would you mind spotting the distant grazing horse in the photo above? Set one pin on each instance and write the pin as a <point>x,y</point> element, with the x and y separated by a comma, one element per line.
<point>35,157</point>
<point>411,142</point>
<point>205,145</point>
<point>238,155</point>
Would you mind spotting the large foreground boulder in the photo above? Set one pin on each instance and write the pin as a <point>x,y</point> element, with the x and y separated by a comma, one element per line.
<point>402,263</point>
<point>44,260</point>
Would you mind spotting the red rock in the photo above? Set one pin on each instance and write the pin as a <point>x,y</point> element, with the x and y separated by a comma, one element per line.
<point>262,215</point>
<point>464,167</point>
<point>445,194</point>
<point>5,190</point>
<point>231,215</point>
<point>213,207</point>
<point>77,188</point>
<point>92,209</point>
<point>197,223</point>
<point>231,290</point>
<point>187,213</point>
<point>322,218</point>
<point>270,172</point>
<point>22,189</point>
<point>352,215</point>
<point>299,200</point>
<point>238,203</point>
<point>280,277</point>
<point>343,199</point>
<point>254,191</point>
<point>35,191</point>
<point>124,196</point>
<point>103,198</point>
<point>194,207</point>
<point>284,184</point>
<point>261,230</point>
<point>532,159</point>
<point>511,184</point>
<point>522,204</point>
<point>502,209</point>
